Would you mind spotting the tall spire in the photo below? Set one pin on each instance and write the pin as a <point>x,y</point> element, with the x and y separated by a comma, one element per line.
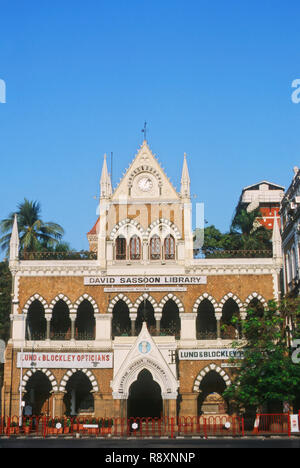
<point>105,181</point>
<point>14,242</point>
<point>185,180</point>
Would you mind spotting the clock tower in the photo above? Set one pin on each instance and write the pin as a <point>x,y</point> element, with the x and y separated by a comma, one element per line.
<point>145,211</point>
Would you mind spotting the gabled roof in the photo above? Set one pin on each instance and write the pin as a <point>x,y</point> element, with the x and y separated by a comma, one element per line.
<point>94,228</point>
<point>256,186</point>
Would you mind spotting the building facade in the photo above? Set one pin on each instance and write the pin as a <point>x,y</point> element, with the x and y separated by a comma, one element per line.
<point>136,328</point>
<point>290,232</point>
<point>267,197</point>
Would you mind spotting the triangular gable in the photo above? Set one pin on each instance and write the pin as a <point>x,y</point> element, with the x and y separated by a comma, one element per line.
<point>145,162</point>
<point>144,354</point>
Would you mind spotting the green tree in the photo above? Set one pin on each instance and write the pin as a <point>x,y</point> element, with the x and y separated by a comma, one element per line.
<point>266,376</point>
<point>5,300</point>
<point>248,233</point>
<point>34,233</point>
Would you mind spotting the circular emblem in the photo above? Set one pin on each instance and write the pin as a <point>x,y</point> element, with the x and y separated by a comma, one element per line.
<point>144,347</point>
<point>145,184</point>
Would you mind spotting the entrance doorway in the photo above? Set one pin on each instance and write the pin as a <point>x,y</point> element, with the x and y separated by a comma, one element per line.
<point>144,400</point>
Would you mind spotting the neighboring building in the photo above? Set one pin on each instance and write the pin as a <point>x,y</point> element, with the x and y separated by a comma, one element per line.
<point>290,233</point>
<point>141,319</point>
<point>267,197</point>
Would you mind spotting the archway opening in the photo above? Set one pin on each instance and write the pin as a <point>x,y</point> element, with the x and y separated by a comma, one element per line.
<point>36,324</point>
<point>60,325</point>
<point>170,321</point>
<point>229,330</point>
<point>145,313</point>
<point>121,323</point>
<point>210,400</point>
<point>38,394</point>
<point>79,398</point>
<point>85,321</point>
<point>206,324</point>
<point>144,400</point>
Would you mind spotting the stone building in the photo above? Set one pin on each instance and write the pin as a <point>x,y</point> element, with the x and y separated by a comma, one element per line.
<point>135,328</point>
<point>290,232</point>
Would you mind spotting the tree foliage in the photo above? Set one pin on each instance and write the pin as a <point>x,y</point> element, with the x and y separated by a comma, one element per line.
<point>267,376</point>
<point>34,234</point>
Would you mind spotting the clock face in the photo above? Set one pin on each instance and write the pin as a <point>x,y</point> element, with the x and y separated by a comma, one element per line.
<point>145,184</point>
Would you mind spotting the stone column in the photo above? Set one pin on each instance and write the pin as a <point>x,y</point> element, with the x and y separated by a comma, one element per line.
<point>48,320</point>
<point>218,318</point>
<point>133,319</point>
<point>188,326</point>
<point>158,316</point>
<point>59,404</point>
<point>73,319</point>
<point>103,326</point>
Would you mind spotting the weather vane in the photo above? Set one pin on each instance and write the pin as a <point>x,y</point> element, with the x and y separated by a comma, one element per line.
<point>144,131</point>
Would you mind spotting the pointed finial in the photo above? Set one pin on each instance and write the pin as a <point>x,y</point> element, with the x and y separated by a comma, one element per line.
<point>14,241</point>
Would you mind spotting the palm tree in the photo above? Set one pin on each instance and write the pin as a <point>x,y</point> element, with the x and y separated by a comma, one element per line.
<point>248,232</point>
<point>34,234</point>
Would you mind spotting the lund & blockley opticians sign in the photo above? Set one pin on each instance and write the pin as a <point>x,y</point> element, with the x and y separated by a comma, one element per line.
<point>65,360</point>
<point>143,280</point>
<point>208,354</point>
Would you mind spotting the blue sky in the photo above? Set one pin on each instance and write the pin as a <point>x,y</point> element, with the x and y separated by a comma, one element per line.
<point>212,79</point>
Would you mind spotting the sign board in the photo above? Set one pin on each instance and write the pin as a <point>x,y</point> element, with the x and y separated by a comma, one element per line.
<point>210,354</point>
<point>65,360</point>
<point>143,280</point>
<point>294,420</point>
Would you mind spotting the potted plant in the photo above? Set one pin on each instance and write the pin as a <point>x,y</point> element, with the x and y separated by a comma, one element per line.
<point>67,426</point>
<point>50,427</point>
<point>27,426</point>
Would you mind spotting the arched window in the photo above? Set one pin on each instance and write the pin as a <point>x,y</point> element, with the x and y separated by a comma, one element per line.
<point>169,247</point>
<point>155,247</point>
<point>60,325</point>
<point>120,248</point>
<point>135,248</point>
<point>36,323</point>
<point>85,321</point>
<point>206,324</point>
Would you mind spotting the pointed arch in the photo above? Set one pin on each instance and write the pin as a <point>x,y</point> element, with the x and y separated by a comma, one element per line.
<point>86,297</point>
<point>70,372</point>
<point>172,297</point>
<point>60,297</point>
<point>257,296</point>
<point>127,227</point>
<point>205,371</point>
<point>119,297</point>
<point>147,297</point>
<point>167,225</point>
<point>202,298</point>
<point>35,297</point>
<point>47,373</point>
<point>234,298</point>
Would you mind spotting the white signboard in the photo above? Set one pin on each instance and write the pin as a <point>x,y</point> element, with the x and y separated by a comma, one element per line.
<point>65,360</point>
<point>143,280</point>
<point>210,354</point>
<point>294,423</point>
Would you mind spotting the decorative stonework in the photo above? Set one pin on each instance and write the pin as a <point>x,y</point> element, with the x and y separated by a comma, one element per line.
<point>172,297</point>
<point>205,371</point>
<point>116,299</point>
<point>47,373</point>
<point>202,298</point>
<point>68,375</point>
